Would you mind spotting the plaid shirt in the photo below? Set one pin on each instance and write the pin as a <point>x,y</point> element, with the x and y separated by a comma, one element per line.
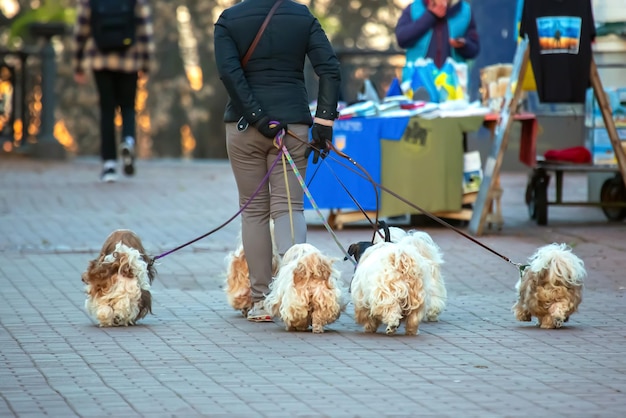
<point>134,59</point>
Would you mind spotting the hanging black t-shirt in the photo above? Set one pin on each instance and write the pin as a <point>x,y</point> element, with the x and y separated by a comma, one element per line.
<point>560,33</point>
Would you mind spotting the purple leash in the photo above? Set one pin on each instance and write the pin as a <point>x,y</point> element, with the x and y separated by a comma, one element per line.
<point>277,141</point>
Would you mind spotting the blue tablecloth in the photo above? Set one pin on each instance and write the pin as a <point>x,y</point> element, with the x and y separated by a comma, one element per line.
<point>360,139</point>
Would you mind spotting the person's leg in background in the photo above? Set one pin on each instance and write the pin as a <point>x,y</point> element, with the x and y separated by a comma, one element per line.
<point>247,153</point>
<point>108,144</point>
<point>125,94</point>
<point>289,228</point>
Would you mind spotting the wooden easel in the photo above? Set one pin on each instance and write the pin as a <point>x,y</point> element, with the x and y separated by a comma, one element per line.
<point>489,187</point>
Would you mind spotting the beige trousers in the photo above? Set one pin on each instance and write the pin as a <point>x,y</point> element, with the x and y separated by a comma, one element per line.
<point>251,155</point>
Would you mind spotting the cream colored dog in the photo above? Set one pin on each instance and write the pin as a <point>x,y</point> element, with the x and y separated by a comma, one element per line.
<point>388,287</point>
<point>551,286</point>
<point>306,291</point>
<point>237,285</point>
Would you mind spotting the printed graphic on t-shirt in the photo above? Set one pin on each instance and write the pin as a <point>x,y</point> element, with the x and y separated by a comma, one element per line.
<point>559,34</point>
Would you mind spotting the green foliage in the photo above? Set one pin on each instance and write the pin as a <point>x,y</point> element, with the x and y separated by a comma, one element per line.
<point>49,11</point>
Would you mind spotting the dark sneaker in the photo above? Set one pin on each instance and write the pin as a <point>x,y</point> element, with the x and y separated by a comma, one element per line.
<point>108,175</point>
<point>258,313</point>
<point>128,156</point>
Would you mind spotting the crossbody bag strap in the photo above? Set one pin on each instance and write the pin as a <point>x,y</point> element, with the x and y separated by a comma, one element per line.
<point>254,43</point>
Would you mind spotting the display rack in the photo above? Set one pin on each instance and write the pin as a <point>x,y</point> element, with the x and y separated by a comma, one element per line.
<point>536,195</point>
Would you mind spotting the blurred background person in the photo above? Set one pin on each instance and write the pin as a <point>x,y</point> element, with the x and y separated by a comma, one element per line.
<point>437,29</point>
<point>114,38</point>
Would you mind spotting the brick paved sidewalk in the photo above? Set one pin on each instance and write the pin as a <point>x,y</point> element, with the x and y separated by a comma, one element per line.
<point>197,357</point>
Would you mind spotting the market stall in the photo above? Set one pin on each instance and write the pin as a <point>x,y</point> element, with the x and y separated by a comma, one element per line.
<point>418,157</point>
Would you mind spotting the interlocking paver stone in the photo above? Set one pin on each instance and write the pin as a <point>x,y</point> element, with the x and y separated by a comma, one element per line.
<point>198,357</point>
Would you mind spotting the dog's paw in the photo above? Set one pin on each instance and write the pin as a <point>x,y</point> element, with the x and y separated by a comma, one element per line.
<point>318,329</point>
<point>244,312</point>
<point>370,328</point>
<point>391,329</point>
<point>558,322</point>
<point>523,316</point>
<point>547,323</point>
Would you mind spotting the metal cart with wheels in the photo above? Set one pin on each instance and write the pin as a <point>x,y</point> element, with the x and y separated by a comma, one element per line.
<point>612,195</point>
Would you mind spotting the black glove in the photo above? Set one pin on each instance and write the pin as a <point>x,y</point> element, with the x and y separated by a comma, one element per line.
<point>263,125</point>
<point>320,134</point>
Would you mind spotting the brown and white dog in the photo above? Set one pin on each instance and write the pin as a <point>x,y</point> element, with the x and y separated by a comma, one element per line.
<point>307,290</point>
<point>118,281</point>
<point>550,288</point>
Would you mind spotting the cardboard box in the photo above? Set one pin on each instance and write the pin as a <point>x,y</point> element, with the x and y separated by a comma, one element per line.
<point>617,100</point>
<point>604,155</point>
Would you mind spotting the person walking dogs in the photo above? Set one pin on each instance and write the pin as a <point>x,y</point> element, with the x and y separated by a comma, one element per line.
<point>267,94</point>
<point>114,38</point>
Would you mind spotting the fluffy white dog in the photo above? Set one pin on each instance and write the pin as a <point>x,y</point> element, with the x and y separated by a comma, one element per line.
<point>118,281</point>
<point>550,288</point>
<point>306,290</point>
<point>388,287</point>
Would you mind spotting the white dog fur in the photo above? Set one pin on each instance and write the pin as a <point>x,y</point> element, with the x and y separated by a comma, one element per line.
<point>307,290</point>
<point>395,235</point>
<point>388,287</point>
<point>435,287</point>
<point>550,288</point>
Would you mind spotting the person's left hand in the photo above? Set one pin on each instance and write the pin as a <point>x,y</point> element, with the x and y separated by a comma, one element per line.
<point>457,43</point>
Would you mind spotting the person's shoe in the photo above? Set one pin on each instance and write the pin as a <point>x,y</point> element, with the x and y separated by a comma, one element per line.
<point>128,156</point>
<point>108,175</point>
<point>258,313</point>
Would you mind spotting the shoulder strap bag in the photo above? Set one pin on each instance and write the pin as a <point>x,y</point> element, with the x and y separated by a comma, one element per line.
<point>242,124</point>
<point>254,43</point>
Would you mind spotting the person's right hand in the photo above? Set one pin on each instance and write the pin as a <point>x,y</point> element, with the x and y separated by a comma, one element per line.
<point>80,78</point>
<point>438,7</point>
<point>457,43</point>
<point>321,135</point>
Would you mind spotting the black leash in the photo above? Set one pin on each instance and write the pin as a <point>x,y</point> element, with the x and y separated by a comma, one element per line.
<point>363,174</point>
<point>241,209</point>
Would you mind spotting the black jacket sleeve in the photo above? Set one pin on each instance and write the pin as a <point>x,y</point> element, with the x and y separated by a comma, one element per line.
<point>326,66</point>
<point>232,75</point>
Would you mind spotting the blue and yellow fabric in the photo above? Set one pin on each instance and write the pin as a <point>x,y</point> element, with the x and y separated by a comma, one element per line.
<point>529,83</point>
<point>440,84</point>
<point>457,27</point>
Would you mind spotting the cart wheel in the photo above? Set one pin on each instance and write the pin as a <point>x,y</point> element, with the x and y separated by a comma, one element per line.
<point>537,197</point>
<point>541,200</point>
<point>530,202</point>
<point>613,190</point>
<point>529,197</point>
<point>532,177</point>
